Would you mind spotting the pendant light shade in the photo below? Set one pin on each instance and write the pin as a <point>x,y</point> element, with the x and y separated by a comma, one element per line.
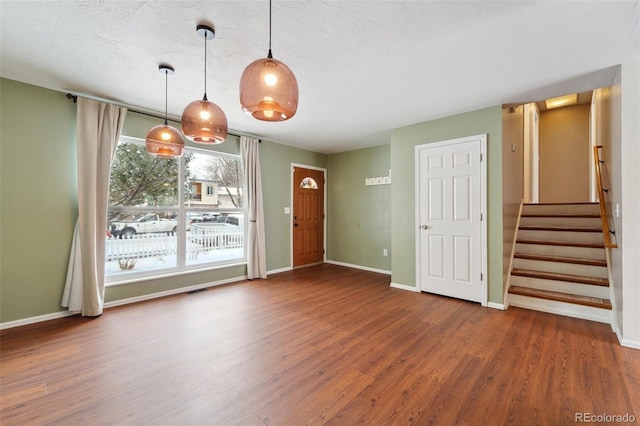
<point>268,88</point>
<point>203,121</point>
<point>163,140</point>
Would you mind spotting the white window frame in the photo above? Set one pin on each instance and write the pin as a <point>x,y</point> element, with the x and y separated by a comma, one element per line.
<point>181,267</point>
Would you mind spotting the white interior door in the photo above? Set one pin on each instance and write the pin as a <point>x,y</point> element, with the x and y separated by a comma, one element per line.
<point>450,192</point>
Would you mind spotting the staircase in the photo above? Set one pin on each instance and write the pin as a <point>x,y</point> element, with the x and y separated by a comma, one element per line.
<point>559,262</point>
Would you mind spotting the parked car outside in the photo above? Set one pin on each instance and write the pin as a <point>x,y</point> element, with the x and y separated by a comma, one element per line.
<point>210,217</point>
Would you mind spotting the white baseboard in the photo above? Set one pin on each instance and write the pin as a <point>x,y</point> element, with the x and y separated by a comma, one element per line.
<point>494,305</point>
<point>37,319</point>
<point>150,296</point>
<point>364,268</point>
<point>277,271</point>
<point>405,287</point>
<point>633,344</point>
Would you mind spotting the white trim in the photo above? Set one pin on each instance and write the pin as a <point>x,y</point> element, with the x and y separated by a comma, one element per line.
<point>482,138</point>
<point>364,268</point>
<point>405,287</point>
<point>277,271</point>
<point>561,308</point>
<point>37,319</point>
<point>155,275</point>
<point>499,306</point>
<point>324,221</point>
<point>633,344</point>
<point>172,292</point>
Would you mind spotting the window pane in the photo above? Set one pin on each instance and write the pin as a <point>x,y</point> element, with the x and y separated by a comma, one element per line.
<point>150,229</point>
<point>140,241</point>
<point>216,240</point>
<point>309,183</point>
<point>140,179</point>
<point>213,181</point>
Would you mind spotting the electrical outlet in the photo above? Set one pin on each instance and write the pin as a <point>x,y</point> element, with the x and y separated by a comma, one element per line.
<point>385,252</point>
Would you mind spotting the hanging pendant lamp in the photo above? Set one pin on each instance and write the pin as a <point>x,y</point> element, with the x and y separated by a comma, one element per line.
<point>203,121</point>
<point>268,88</point>
<point>163,140</point>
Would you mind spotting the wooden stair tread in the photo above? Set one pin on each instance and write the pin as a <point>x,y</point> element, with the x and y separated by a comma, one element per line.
<point>580,279</point>
<point>561,259</point>
<point>561,243</point>
<point>567,215</point>
<point>561,204</point>
<point>595,302</point>
<point>560,228</point>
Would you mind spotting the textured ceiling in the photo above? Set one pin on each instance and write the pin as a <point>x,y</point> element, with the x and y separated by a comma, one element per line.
<point>363,67</point>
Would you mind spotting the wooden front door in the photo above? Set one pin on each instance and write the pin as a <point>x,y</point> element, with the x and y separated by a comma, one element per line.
<point>308,216</point>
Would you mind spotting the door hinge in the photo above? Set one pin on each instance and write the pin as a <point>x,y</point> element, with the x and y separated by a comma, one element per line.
<point>481,276</point>
<point>480,217</point>
<point>481,157</point>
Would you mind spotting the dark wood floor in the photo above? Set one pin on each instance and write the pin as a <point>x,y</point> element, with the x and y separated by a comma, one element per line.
<point>319,345</point>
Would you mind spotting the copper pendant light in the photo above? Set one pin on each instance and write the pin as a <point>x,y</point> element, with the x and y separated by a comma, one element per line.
<point>163,140</point>
<point>268,88</point>
<point>203,121</point>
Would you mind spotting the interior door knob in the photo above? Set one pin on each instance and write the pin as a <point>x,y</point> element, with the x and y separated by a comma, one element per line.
<point>295,224</point>
<point>424,227</point>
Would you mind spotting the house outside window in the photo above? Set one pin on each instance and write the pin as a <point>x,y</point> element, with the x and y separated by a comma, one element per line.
<point>154,228</point>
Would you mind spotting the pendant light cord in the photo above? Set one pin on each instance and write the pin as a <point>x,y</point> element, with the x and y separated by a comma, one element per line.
<point>166,99</point>
<point>270,56</point>
<point>206,35</point>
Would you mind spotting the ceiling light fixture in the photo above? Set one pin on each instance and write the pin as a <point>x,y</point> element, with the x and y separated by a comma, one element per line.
<point>163,140</point>
<point>268,88</point>
<point>561,101</point>
<point>203,121</point>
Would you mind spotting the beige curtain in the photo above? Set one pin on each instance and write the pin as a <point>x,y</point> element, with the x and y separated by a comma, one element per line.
<point>98,129</point>
<point>255,244</point>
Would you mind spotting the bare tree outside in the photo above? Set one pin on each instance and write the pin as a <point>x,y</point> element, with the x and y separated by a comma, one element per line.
<point>228,172</point>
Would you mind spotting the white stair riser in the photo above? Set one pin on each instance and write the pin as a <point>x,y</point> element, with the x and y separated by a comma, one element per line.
<point>560,308</point>
<point>561,268</point>
<point>561,286</point>
<point>584,237</point>
<point>561,209</point>
<point>585,222</point>
<point>566,251</point>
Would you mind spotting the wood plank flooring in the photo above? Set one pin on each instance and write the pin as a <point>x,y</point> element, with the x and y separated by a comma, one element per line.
<point>320,345</point>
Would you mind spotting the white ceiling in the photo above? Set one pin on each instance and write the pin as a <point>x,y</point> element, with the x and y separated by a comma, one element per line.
<point>363,67</point>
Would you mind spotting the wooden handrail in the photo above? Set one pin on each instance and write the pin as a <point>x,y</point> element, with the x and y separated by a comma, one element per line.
<point>603,206</point>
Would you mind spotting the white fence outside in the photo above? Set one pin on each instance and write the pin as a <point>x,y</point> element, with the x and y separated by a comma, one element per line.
<point>199,240</point>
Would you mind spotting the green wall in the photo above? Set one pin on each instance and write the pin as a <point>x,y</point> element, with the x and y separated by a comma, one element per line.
<point>359,216</point>
<point>275,160</point>
<point>38,198</point>
<point>403,142</point>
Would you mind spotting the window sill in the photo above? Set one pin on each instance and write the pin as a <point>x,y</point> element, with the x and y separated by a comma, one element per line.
<point>157,275</point>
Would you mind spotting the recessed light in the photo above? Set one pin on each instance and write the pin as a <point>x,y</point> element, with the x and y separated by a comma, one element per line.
<point>561,101</point>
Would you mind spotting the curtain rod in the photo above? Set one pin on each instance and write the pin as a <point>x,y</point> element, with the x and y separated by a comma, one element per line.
<point>74,97</point>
